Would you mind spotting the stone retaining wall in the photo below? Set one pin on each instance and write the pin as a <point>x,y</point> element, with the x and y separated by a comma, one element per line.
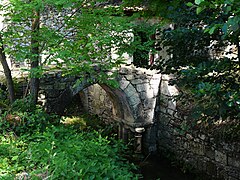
<point>218,159</point>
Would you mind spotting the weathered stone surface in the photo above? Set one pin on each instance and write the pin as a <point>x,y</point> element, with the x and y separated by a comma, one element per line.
<point>123,71</point>
<point>52,93</point>
<point>150,93</point>
<point>197,148</point>
<point>60,86</point>
<point>155,80</point>
<point>138,81</point>
<point>123,83</point>
<point>134,100</point>
<point>47,86</point>
<point>149,103</point>
<point>130,90</point>
<point>129,77</point>
<point>164,88</point>
<point>221,157</point>
<point>234,162</point>
<point>141,87</point>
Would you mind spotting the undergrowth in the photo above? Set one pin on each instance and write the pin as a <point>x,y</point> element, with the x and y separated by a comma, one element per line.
<point>40,147</point>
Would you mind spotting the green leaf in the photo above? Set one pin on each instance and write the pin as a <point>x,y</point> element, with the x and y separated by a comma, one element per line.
<point>199,1</point>
<point>225,28</point>
<point>199,9</point>
<point>189,4</point>
<point>14,158</point>
<point>212,29</point>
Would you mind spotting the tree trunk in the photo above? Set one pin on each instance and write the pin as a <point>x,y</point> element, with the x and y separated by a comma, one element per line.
<point>7,72</point>
<point>34,81</point>
<point>238,51</point>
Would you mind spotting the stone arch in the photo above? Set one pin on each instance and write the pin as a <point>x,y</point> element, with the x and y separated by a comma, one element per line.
<point>119,99</point>
<point>134,101</point>
<point>120,103</point>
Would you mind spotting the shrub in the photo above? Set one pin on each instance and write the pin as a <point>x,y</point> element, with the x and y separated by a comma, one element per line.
<point>61,152</point>
<point>24,118</point>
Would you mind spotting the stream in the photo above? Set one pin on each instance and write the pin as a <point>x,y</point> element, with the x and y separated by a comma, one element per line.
<point>154,167</point>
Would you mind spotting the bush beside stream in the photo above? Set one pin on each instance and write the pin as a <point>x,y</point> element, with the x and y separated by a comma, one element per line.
<point>29,150</point>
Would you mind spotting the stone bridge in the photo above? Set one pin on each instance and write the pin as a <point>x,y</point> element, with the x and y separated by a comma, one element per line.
<point>133,102</point>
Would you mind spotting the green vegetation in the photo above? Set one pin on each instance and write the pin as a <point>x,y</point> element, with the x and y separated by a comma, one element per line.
<point>203,48</point>
<point>34,148</point>
<point>80,42</point>
<point>76,37</point>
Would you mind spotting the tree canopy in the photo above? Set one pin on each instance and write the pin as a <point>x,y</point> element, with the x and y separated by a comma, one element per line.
<point>203,48</point>
<point>78,37</point>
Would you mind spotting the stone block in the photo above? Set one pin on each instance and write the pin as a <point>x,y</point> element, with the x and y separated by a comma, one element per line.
<point>150,93</point>
<point>170,111</point>
<point>210,152</point>
<point>173,90</point>
<point>129,77</point>
<point>130,90</point>
<point>143,95</point>
<point>46,86</point>
<point>221,157</point>
<point>149,103</point>
<point>234,162</point>
<point>172,105</point>
<point>164,88</point>
<point>52,93</point>
<point>59,86</point>
<point>123,83</point>
<point>155,90</point>
<point>138,81</point>
<point>197,148</point>
<point>149,115</point>
<point>141,87</point>
<point>211,168</point>
<point>143,77</point>
<point>156,78</point>
<point>123,71</point>
<point>134,100</point>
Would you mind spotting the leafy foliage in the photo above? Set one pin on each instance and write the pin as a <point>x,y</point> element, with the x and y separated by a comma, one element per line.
<point>22,117</point>
<point>35,145</point>
<point>77,37</point>
<point>63,153</point>
<point>203,49</point>
<point>143,31</point>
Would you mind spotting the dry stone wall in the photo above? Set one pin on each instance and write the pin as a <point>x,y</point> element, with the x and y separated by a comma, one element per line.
<point>218,159</point>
